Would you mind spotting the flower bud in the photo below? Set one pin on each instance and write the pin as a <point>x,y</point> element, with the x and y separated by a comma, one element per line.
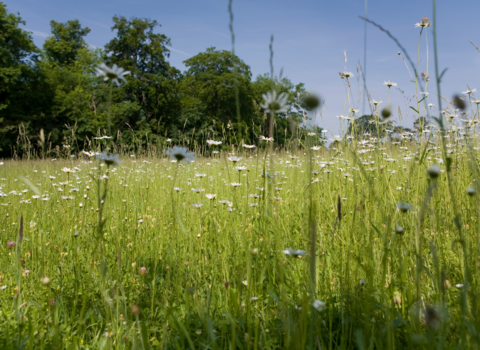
<point>386,112</point>
<point>459,102</point>
<point>471,191</point>
<point>434,171</point>
<point>311,101</point>
<point>135,310</point>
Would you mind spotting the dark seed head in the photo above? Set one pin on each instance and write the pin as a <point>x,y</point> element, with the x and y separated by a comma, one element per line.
<point>311,101</point>
<point>459,102</point>
<point>386,112</point>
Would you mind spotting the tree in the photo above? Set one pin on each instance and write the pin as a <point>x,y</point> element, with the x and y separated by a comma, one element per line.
<point>209,84</point>
<point>67,40</point>
<point>24,95</point>
<point>153,83</point>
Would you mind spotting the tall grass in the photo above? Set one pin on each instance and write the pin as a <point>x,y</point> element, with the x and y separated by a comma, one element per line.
<point>220,280</point>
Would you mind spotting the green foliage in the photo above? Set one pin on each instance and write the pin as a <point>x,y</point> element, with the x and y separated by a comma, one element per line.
<point>209,85</point>
<point>24,94</point>
<point>152,85</point>
<point>65,43</point>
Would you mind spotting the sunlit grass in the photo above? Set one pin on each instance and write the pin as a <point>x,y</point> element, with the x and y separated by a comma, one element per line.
<point>216,275</point>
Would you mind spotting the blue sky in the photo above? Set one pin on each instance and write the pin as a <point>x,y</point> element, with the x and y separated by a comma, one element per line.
<point>310,38</point>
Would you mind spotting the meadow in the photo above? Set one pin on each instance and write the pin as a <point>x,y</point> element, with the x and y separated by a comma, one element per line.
<point>368,241</point>
<point>192,256</point>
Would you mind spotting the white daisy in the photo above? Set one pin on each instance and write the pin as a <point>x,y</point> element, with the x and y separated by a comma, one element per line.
<point>180,153</point>
<point>273,103</point>
<point>115,74</point>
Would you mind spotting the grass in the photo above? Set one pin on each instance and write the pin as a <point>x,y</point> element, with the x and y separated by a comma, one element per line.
<point>218,279</point>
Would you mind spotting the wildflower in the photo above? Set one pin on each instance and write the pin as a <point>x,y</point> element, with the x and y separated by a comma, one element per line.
<point>318,305</point>
<point>10,244</point>
<point>311,134</point>
<point>268,139</point>
<point>143,271</point>
<point>336,138</point>
<point>362,282</point>
<point>347,74</point>
<point>424,23</point>
<point>245,283</point>
<point>180,153</point>
<point>249,146</point>
<point>109,159</point>
<point>376,103</point>
<point>178,189</point>
<point>240,168</point>
<point>197,205</point>
<point>224,202</point>
<point>115,74</point>
<point>399,229</point>
<point>273,103</point>
<point>295,253</point>
<point>404,207</point>
<point>66,170</point>
<point>234,159</point>
<point>235,184</point>
<point>46,281</point>
<point>32,224</point>
<point>198,190</point>
<point>214,143</point>
<point>210,196</point>
<point>389,83</point>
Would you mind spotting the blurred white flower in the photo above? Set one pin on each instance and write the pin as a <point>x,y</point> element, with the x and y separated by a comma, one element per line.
<point>318,305</point>
<point>295,253</point>
<point>273,103</point>
<point>214,143</point>
<point>115,74</point>
<point>180,153</point>
<point>389,83</point>
<point>109,159</point>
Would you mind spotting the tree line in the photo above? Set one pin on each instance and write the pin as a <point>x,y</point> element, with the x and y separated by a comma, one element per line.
<point>52,96</point>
